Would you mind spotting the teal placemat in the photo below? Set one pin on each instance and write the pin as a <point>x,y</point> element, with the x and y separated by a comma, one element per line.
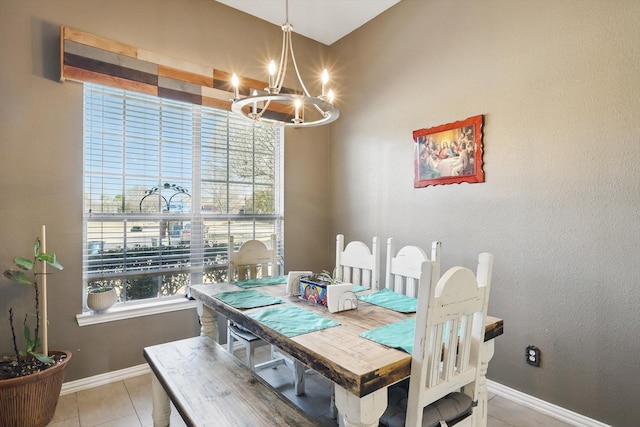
<point>360,288</point>
<point>396,335</point>
<point>265,281</point>
<point>292,321</point>
<point>247,298</point>
<point>388,299</point>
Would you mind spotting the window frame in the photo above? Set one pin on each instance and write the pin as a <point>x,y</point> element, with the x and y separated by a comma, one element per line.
<point>195,268</point>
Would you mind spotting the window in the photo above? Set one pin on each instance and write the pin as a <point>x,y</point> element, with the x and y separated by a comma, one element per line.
<point>165,184</point>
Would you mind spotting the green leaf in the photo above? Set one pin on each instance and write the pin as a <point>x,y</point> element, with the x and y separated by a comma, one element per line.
<point>36,247</point>
<point>18,277</point>
<point>27,334</point>
<point>23,263</point>
<point>42,357</point>
<point>49,258</point>
<point>27,337</point>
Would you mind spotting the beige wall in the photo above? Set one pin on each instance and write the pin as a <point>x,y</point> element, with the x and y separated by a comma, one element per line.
<point>41,153</point>
<point>558,84</point>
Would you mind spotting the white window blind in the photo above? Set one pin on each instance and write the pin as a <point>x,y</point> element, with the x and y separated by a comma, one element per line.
<point>165,184</point>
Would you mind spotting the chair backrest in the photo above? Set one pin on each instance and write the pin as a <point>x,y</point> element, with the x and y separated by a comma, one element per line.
<point>449,334</point>
<point>251,258</point>
<point>404,268</point>
<point>357,264</point>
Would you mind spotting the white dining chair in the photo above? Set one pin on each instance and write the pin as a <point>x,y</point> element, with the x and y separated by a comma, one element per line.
<point>252,260</point>
<point>404,268</point>
<point>445,364</point>
<point>358,264</point>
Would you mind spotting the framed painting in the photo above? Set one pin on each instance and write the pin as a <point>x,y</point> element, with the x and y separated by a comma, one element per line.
<point>449,154</point>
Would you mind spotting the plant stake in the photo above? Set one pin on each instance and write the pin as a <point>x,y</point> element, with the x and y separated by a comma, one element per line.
<point>45,339</point>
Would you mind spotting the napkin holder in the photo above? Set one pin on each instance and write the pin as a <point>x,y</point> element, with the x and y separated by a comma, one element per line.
<point>340,297</point>
<point>293,281</point>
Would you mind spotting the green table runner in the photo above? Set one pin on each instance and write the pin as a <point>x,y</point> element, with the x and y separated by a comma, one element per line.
<point>292,321</point>
<point>388,299</point>
<point>264,281</point>
<point>395,335</point>
<point>247,298</point>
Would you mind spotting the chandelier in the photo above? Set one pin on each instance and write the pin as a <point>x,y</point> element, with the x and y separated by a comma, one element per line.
<point>279,106</point>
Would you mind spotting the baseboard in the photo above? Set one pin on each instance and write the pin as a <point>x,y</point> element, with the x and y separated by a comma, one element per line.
<point>102,379</point>
<point>542,406</point>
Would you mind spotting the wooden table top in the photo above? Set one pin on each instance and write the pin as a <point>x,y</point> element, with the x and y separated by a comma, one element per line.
<point>357,364</point>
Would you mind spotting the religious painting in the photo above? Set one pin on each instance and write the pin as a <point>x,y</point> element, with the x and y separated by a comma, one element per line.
<point>449,154</point>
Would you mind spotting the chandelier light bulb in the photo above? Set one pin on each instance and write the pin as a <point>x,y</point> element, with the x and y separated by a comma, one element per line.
<point>254,107</point>
<point>272,74</point>
<point>325,79</point>
<point>235,82</point>
<point>331,96</point>
<point>297,103</point>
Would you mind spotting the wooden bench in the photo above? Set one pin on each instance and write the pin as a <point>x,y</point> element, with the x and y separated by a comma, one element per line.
<point>211,388</point>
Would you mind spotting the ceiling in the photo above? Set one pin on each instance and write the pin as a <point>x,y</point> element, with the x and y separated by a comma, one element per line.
<point>326,21</point>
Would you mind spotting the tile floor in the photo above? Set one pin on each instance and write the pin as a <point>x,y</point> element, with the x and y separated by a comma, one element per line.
<point>128,403</point>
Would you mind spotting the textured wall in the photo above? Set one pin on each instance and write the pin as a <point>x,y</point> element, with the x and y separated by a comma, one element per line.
<point>560,209</point>
<point>41,152</point>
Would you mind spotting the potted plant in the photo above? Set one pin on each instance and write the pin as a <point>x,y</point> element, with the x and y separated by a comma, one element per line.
<point>31,378</point>
<point>313,288</point>
<point>101,297</point>
<point>327,290</point>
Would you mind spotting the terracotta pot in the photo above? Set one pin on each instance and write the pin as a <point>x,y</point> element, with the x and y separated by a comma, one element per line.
<point>100,301</point>
<point>30,401</point>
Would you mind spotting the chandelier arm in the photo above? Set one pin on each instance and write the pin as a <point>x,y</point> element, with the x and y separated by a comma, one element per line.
<point>264,108</point>
<point>320,110</point>
<point>283,60</point>
<point>295,67</point>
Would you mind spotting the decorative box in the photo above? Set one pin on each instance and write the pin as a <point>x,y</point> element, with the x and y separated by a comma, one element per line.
<point>313,291</point>
<point>336,296</point>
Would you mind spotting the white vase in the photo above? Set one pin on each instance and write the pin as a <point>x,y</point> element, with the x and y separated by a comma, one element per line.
<point>100,301</point>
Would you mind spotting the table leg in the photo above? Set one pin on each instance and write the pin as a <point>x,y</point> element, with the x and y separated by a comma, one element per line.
<point>481,411</point>
<point>360,412</point>
<point>208,322</point>
<point>161,406</point>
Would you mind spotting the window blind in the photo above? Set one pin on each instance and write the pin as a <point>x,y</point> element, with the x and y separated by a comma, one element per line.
<point>165,184</point>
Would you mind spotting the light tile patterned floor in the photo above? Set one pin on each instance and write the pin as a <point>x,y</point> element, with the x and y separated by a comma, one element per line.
<point>128,404</point>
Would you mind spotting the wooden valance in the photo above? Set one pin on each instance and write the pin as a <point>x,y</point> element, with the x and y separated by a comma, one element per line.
<point>86,57</point>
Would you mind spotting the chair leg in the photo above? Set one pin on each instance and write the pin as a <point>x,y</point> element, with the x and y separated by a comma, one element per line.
<point>250,349</point>
<point>229,341</point>
<point>298,377</point>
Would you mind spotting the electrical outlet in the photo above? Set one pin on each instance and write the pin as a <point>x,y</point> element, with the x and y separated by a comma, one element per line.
<point>533,355</point>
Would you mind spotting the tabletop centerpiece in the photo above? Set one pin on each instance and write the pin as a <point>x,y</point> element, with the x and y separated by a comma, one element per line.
<point>325,289</point>
<point>313,287</point>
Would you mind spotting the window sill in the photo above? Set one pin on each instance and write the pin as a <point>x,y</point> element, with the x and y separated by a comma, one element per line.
<point>132,311</point>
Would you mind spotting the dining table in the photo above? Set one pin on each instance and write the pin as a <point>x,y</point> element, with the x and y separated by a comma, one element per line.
<point>360,369</point>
